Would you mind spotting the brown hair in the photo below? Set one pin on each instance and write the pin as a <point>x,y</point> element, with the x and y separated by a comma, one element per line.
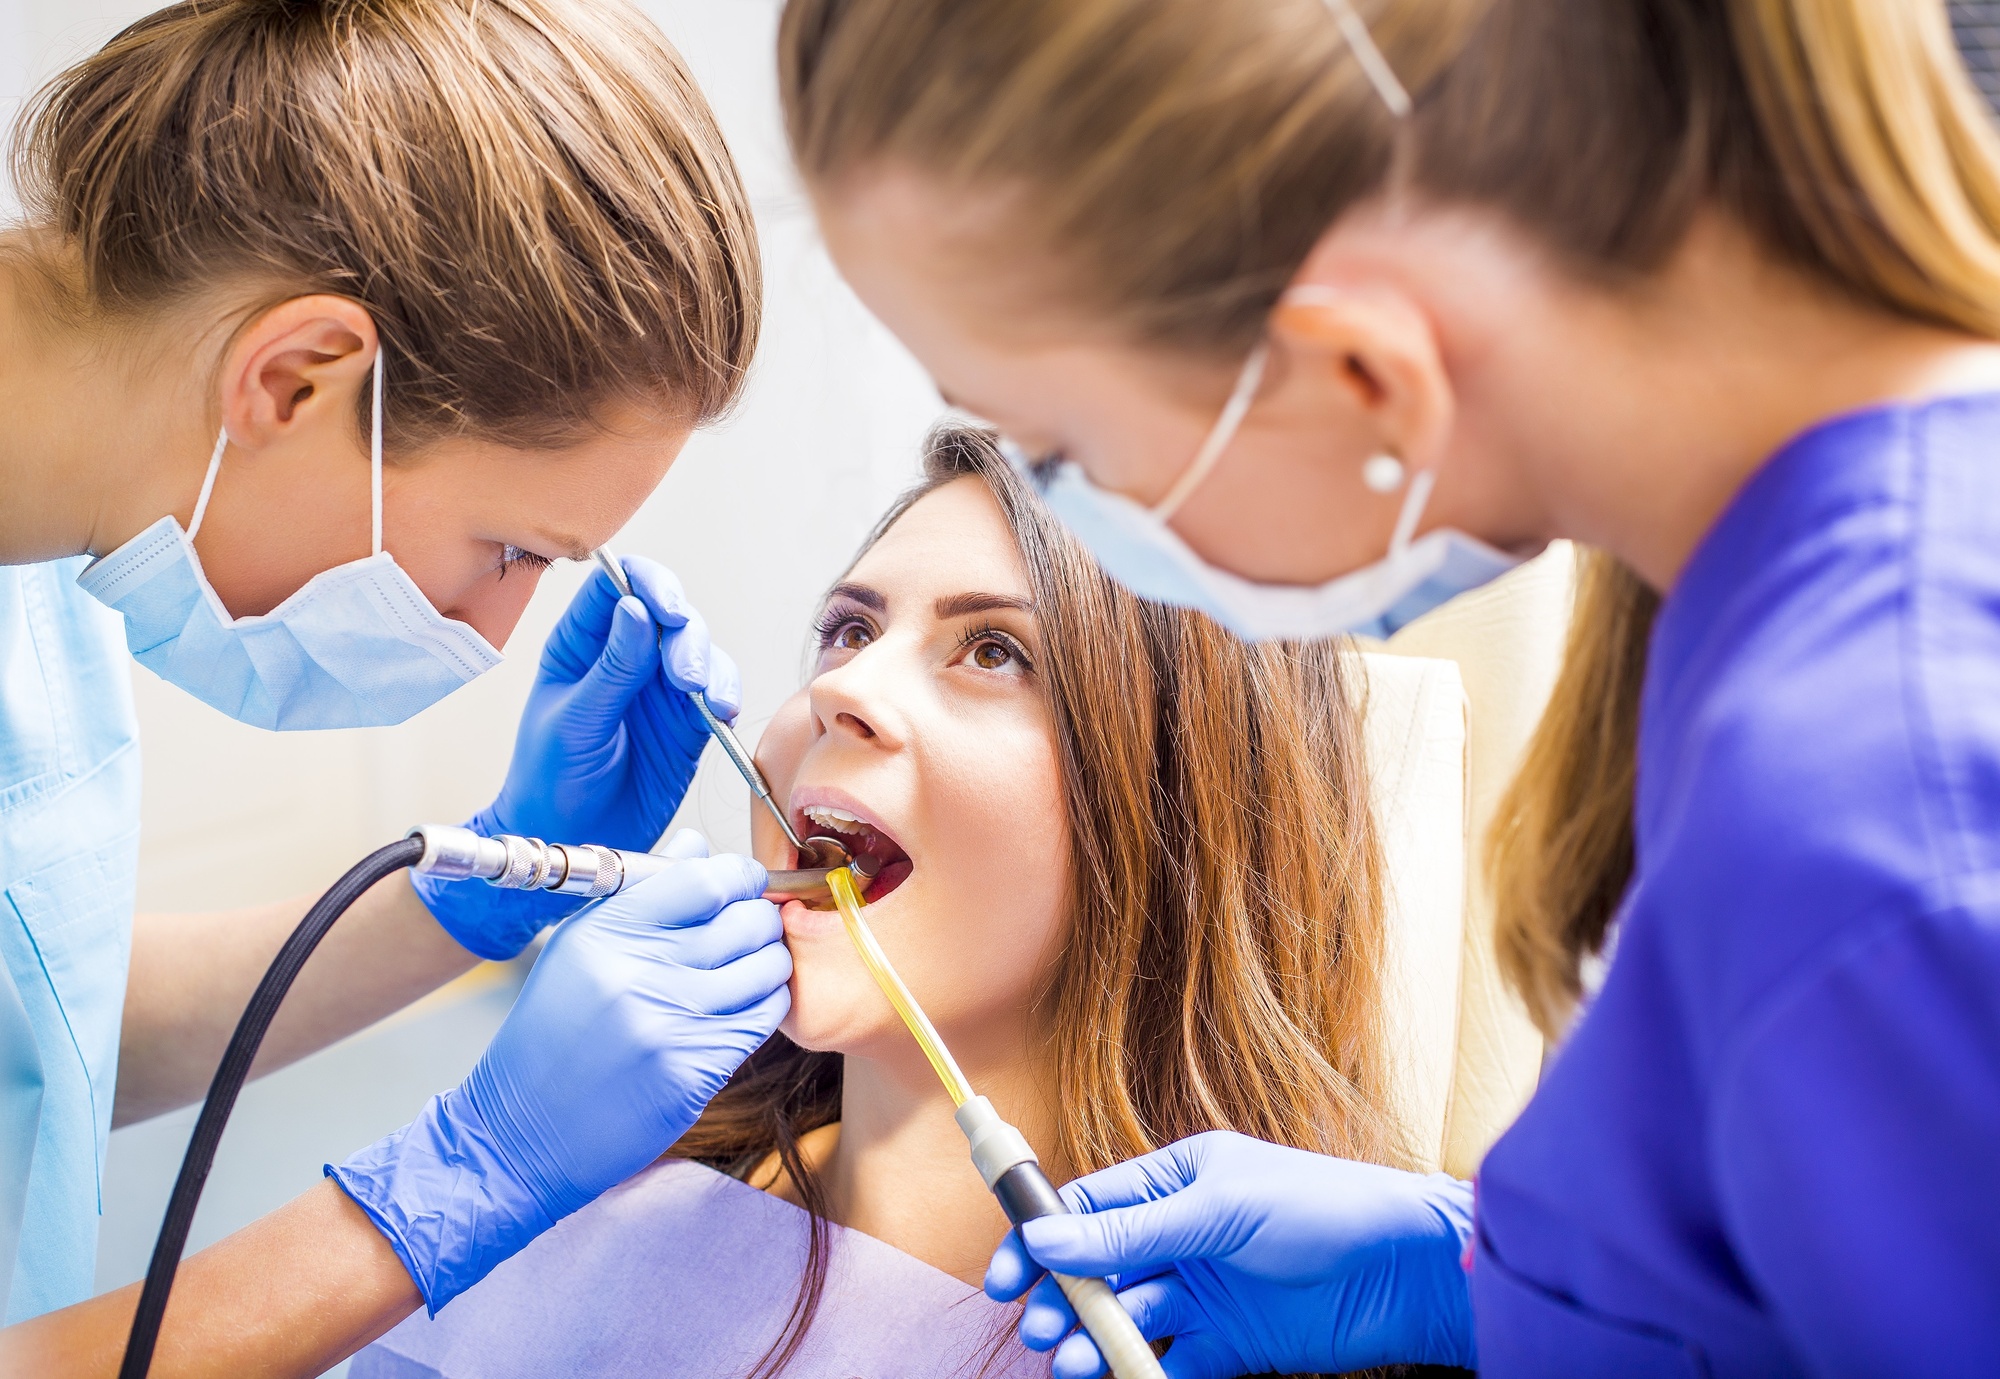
<point>1223,963</point>
<point>530,197</point>
<point>1175,161</point>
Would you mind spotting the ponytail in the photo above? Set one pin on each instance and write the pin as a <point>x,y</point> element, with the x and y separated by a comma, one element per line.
<point>1886,155</point>
<point>1884,180</point>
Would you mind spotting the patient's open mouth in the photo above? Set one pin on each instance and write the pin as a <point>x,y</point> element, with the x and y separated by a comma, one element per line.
<point>862,839</point>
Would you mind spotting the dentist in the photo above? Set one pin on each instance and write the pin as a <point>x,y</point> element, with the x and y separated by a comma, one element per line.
<point>329,326</point>
<point>1315,313</point>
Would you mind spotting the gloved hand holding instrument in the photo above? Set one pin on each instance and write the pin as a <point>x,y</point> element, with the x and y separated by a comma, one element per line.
<point>608,743</point>
<point>1254,1258</point>
<point>635,1015</point>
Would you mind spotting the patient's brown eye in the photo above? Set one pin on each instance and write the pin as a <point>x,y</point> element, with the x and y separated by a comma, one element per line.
<point>852,637</point>
<point>991,656</point>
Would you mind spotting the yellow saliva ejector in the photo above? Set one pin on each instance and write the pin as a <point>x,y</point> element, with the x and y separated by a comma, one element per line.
<point>1000,1152</point>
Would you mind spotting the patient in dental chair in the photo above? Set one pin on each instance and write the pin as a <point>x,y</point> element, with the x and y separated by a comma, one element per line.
<point>1127,865</point>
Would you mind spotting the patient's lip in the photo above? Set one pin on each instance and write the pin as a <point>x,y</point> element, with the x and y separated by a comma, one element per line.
<point>802,921</point>
<point>833,797</point>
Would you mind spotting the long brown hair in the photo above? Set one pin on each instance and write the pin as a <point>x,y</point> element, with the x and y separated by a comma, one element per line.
<point>1222,968</point>
<point>530,197</point>
<point>1173,162</point>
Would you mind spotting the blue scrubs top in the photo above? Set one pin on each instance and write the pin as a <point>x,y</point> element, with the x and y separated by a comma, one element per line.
<point>1771,1146</point>
<point>69,834</point>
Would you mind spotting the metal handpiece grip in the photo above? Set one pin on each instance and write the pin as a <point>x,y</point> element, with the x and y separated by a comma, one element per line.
<point>588,870</point>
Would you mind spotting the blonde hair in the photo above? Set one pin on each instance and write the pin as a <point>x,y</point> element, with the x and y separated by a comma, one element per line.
<point>1223,964</point>
<point>1176,161</point>
<point>530,197</point>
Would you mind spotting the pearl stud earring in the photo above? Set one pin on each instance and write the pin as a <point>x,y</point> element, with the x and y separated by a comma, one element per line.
<point>1382,474</point>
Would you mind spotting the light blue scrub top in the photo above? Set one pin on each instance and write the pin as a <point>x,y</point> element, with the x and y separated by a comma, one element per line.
<point>69,845</point>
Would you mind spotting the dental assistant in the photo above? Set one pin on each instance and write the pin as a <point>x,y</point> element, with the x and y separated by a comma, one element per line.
<point>296,419</point>
<point>1314,315</point>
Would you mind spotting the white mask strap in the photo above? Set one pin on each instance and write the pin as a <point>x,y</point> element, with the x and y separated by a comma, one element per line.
<point>1362,43</point>
<point>208,482</point>
<point>1219,435</point>
<point>1413,510</point>
<point>375,458</point>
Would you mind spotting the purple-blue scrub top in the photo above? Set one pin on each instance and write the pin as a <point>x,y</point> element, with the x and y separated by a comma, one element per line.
<point>1771,1146</point>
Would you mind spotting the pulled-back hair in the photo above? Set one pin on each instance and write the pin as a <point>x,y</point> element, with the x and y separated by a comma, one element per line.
<point>1223,962</point>
<point>530,197</point>
<point>1172,163</point>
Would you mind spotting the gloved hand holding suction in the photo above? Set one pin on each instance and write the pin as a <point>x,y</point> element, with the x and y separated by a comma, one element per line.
<point>607,746</point>
<point>635,1015</point>
<point>1255,1258</point>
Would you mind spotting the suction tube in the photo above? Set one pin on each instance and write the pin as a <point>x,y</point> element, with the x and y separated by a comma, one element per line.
<point>1001,1153</point>
<point>230,1076</point>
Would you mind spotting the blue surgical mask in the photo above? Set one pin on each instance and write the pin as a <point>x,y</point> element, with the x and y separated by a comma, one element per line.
<point>358,646</point>
<point>1138,548</point>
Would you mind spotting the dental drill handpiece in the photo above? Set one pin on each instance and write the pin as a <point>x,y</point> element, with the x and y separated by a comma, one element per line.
<point>588,870</point>
<point>724,735</point>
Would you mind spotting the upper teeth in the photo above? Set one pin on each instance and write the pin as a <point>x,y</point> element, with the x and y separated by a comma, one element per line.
<point>839,820</point>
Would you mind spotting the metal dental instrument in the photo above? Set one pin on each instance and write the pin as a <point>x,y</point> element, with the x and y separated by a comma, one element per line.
<point>726,737</point>
<point>590,870</point>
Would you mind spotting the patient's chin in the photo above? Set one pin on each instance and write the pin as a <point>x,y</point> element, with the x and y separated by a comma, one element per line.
<point>830,1013</point>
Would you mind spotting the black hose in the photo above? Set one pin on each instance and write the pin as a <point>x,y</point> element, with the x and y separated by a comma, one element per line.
<point>230,1076</point>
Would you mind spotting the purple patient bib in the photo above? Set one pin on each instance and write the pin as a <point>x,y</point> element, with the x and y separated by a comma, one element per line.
<point>683,1273</point>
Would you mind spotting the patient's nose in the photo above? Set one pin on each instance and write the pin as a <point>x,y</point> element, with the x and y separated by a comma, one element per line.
<point>855,699</point>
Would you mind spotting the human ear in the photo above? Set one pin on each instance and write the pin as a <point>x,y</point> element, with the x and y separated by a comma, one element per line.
<point>297,370</point>
<point>1377,349</point>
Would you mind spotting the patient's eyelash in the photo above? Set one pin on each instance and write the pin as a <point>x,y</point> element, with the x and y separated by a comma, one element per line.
<point>511,556</point>
<point>829,625</point>
<point>990,635</point>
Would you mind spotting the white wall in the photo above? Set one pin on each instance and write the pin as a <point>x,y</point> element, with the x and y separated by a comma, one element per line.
<point>757,516</point>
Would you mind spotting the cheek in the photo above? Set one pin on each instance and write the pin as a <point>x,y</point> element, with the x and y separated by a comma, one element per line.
<point>1001,905</point>
<point>493,606</point>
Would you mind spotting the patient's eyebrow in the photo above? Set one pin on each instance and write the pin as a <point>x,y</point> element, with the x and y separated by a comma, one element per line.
<point>963,605</point>
<point>861,594</point>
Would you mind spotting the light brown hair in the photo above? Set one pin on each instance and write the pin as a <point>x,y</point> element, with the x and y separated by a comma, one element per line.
<point>530,197</point>
<point>1222,967</point>
<point>1171,163</point>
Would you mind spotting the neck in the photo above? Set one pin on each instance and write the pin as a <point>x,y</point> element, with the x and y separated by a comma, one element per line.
<point>900,1171</point>
<point>103,438</point>
<point>1634,415</point>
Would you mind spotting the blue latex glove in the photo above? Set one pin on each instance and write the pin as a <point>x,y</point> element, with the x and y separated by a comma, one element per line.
<point>637,1012</point>
<point>607,746</point>
<point>1256,1259</point>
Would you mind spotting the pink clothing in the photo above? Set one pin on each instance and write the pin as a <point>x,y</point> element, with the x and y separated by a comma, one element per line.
<point>684,1273</point>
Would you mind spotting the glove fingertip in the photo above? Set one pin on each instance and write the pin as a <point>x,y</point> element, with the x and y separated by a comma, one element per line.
<point>688,844</point>
<point>1077,1358</point>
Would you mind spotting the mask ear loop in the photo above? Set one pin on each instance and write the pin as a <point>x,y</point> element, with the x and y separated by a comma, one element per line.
<point>1219,436</point>
<point>374,458</point>
<point>1413,510</point>
<point>208,483</point>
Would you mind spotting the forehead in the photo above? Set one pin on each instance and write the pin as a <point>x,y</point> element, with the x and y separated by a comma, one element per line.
<point>953,540</point>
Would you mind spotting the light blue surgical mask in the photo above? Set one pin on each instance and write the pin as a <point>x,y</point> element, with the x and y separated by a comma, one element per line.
<point>1138,548</point>
<point>358,646</point>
